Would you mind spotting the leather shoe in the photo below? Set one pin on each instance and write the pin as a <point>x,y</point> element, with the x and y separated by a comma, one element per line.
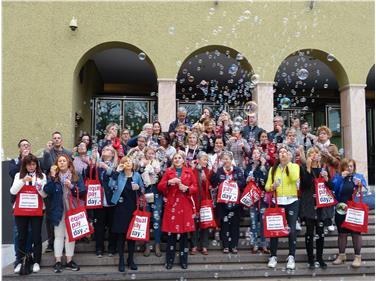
<point>121,267</point>
<point>184,266</point>
<point>132,265</point>
<point>169,266</point>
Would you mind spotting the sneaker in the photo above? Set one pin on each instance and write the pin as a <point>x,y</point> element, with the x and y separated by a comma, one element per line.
<point>17,269</point>
<point>298,227</point>
<point>331,228</point>
<point>58,268</point>
<point>99,254</point>
<point>72,266</point>
<point>290,263</point>
<point>36,267</point>
<point>110,254</point>
<point>272,262</point>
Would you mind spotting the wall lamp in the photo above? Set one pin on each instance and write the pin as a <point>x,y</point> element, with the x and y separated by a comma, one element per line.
<point>73,24</point>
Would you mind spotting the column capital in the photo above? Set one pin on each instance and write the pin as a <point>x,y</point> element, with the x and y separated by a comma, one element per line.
<point>348,86</point>
<point>166,80</point>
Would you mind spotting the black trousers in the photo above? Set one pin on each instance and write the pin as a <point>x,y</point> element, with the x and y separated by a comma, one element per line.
<point>49,227</point>
<point>200,237</point>
<point>121,247</point>
<point>230,225</point>
<point>36,229</point>
<point>103,219</point>
<point>310,237</point>
<point>171,248</point>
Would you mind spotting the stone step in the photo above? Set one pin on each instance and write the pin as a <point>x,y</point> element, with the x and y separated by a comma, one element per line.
<point>214,257</point>
<point>330,242</point>
<point>249,271</point>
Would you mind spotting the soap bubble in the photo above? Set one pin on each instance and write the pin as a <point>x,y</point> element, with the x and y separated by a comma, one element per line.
<point>239,56</point>
<point>141,56</point>
<point>233,69</point>
<point>211,11</point>
<point>285,103</point>
<point>303,74</point>
<point>325,86</point>
<point>255,78</point>
<point>330,57</point>
<point>171,30</point>
<point>133,276</point>
<point>216,275</point>
<point>303,99</point>
<point>191,78</point>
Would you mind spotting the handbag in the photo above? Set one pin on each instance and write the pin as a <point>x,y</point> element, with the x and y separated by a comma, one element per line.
<point>28,202</point>
<point>94,191</point>
<point>368,198</point>
<point>275,224</point>
<point>356,215</point>
<point>324,196</point>
<point>76,221</point>
<point>251,194</point>
<point>228,192</point>
<point>138,229</point>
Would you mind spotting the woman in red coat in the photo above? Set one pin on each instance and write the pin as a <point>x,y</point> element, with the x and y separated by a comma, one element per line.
<point>177,185</point>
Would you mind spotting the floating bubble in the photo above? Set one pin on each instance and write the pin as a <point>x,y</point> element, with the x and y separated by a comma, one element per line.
<point>255,78</point>
<point>303,74</point>
<point>133,276</point>
<point>285,103</point>
<point>216,275</point>
<point>313,100</point>
<point>284,74</point>
<point>233,69</point>
<point>191,78</point>
<point>330,57</point>
<point>211,11</point>
<point>239,56</point>
<point>141,56</point>
<point>325,86</point>
<point>171,30</point>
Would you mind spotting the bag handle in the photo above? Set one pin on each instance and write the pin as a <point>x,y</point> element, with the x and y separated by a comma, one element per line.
<point>275,196</point>
<point>139,199</point>
<point>91,171</point>
<point>71,199</point>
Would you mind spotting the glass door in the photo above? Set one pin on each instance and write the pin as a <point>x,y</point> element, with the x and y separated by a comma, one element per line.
<point>105,112</point>
<point>136,114</point>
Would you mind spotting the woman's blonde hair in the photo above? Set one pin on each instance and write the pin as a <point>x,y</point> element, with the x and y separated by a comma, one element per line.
<point>115,158</point>
<point>313,149</point>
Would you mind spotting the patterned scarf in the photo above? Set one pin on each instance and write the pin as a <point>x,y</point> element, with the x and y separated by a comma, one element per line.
<point>66,192</point>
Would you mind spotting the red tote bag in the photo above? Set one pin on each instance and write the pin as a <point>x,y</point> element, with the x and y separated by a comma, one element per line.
<point>275,224</point>
<point>138,229</point>
<point>324,197</point>
<point>207,219</point>
<point>228,192</point>
<point>251,194</point>
<point>76,221</point>
<point>94,191</point>
<point>28,202</point>
<point>356,215</point>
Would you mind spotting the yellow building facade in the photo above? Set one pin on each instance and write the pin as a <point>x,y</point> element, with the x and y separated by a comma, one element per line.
<point>45,63</point>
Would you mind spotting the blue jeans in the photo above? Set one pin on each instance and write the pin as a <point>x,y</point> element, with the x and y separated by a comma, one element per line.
<point>29,241</point>
<point>156,213</point>
<point>257,224</point>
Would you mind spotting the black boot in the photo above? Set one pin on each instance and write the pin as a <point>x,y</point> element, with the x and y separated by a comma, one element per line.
<point>121,263</point>
<point>131,264</point>
<point>319,251</point>
<point>309,248</point>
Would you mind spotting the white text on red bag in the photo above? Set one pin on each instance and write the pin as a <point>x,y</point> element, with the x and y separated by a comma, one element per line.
<point>28,202</point>
<point>139,227</point>
<point>228,192</point>
<point>324,197</point>
<point>94,191</point>
<point>251,194</point>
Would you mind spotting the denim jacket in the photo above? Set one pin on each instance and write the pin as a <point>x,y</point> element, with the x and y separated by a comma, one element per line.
<point>121,180</point>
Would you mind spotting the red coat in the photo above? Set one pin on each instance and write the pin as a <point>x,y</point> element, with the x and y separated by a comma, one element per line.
<point>179,208</point>
<point>205,192</point>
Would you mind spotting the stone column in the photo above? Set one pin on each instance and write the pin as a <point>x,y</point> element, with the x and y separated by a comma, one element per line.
<point>166,102</point>
<point>353,119</point>
<point>263,96</point>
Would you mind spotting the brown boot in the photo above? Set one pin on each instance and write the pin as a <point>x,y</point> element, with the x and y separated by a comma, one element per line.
<point>341,258</point>
<point>357,261</point>
<point>158,252</point>
<point>147,250</point>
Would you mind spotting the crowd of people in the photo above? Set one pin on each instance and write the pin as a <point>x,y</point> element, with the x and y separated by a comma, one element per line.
<point>176,173</point>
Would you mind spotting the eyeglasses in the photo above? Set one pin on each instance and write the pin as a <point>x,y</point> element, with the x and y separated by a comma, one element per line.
<point>25,145</point>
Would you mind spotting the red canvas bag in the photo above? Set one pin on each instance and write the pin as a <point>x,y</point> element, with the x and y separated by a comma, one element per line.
<point>76,221</point>
<point>228,192</point>
<point>324,196</point>
<point>275,224</point>
<point>28,202</point>
<point>94,191</point>
<point>251,194</point>
<point>138,229</point>
<point>356,215</point>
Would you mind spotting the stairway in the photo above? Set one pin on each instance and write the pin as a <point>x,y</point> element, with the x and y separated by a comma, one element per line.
<point>216,266</point>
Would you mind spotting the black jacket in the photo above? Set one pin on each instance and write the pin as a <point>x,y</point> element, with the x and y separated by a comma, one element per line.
<point>250,132</point>
<point>308,208</point>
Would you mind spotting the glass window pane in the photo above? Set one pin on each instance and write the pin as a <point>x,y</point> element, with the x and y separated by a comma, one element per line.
<point>136,114</point>
<point>106,111</point>
<point>193,111</point>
